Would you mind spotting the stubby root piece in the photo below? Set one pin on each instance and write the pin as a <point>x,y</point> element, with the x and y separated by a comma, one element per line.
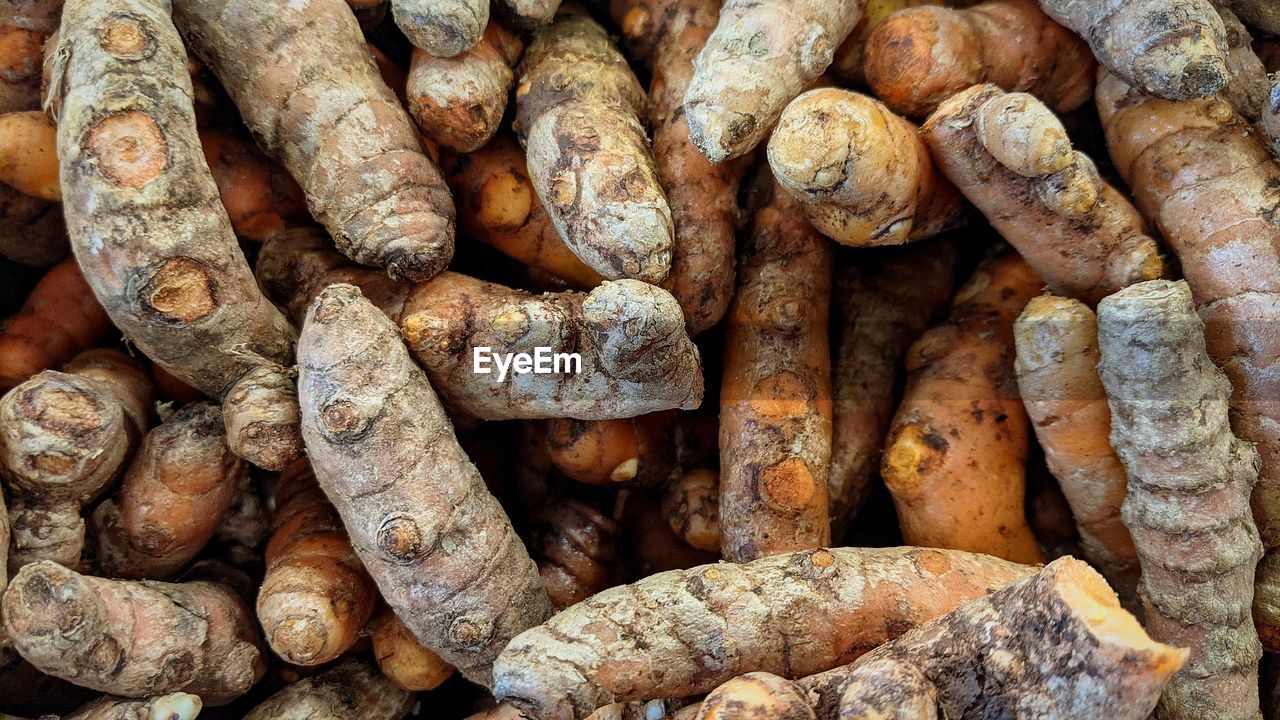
<point>404,660</point>
<point>354,689</point>
<point>444,28</point>
<point>632,451</point>
<point>60,318</point>
<point>459,101</point>
<point>174,706</point>
<point>576,548</point>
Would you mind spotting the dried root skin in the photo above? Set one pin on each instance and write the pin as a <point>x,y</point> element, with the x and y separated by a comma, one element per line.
<point>756,696</point>
<point>668,34</point>
<point>850,56</point>
<point>171,500</point>
<point>459,101</point>
<point>439,546</point>
<point>1056,644</point>
<point>576,548</point>
<point>148,226</point>
<point>133,639</point>
<point>861,173</point>
<point>760,56</point>
<point>305,83</point>
<point>354,689</point>
<point>1210,185</point>
<point>261,197</point>
<point>1266,602</point>
<point>1174,49</point>
<point>919,57</point>
<point>632,451</point>
<point>775,398</point>
<point>578,112</point>
<point>28,155</point>
<point>444,28</point>
<point>124,378</point>
<point>316,596</point>
<point>1188,499</point>
<point>174,706</point>
<point>792,614</point>
<point>498,206</point>
<point>691,505</point>
<point>32,231</point>
<point>1270,121</point>
<point>882,303</point>
<point>404,660</point>
<point>1057,367</point>
<point>1248,85</point>
<point>888,689</point>
<point>261,415</point>
<point>954,459</point>
<point>60,318</point>
<point>1010,156</point>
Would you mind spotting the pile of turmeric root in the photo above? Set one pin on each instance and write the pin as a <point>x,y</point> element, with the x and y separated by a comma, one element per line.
<point>909,359</point>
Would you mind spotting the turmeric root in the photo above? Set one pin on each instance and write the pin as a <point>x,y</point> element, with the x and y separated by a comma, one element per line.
<point>60,318</point>
<point>666,35</point>
<point>1057,342</point>
<point>32,231</point>
<point>197,637</point>
<point>174,706</point>
<point>760,56</point>
<point>1209,184</point>
<point>849,57</point>
<point>24,26</point>
<point>634,356</point>
<point>883,302</point>
<point>1188,500</point>
<point>919,57</point>
<point>260,197</point>
<point>65,438</point>
<point>307,88</point>
<point>498,206</point>
<point>861,173</point>
<point>1270,120</point>
<point>756,696</point>
<point>147,225</point>
<point>404,660</point>
<point>439,546</point>
<point>1261,14</point>
<point>1172,49</point>
<point>578,109</point>
<point>954,460</point>
<point>354,689</point>
<point>633,451</point>
<point>459,101</point>
<point>316,596</point>
<point>575,546</point>
<point>793,614</point>
<point>172,498</point>
<point>444,28</point>
<point>691,505</point>
<point>1010,155</point>
<point>28,156</point>
<point>775,398</point>
<point>1248,85</point>
<point>1056,644</point>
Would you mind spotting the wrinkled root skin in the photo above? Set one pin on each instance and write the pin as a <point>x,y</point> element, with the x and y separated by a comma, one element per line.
<point>354,689</point>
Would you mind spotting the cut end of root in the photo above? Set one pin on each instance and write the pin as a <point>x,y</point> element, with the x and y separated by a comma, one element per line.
<point>416,266</point>
<point>718,133</point>
<point>46,600</point>
<point>300,639</point>
<point>178,706</point>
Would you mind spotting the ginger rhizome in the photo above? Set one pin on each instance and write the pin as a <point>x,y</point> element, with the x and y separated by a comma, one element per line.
<point>1209,184</point>
<point>691,505</point>
<point>861,173</point>
<point>459,101</point>
<point>444,28</point>
<point>993,657</point>
<point>578,112</point>
<point>666,35</point>
<point>919,57</point>
<point>775,397</point>
<point>133,639</point>
<point>634,356</point>
<point>793,614</point>
<point>1174,49</point>
<point>957,449</point>
<point>1057,343</point>
<point>1188,500</point>
<point>28,157</point>
<point>576,548</point>
<point>316,596</point>
<point>631,451</point>
<point>60,318</point>
<point>404,660</point>
<point>883,301</point>
<point>342,132</point>
<point>760,57</point>
<point>65,438</point>
<point>439,546</point>
<point>24,26</point>
<point>498,206</point>
<point>353,689</point>
<point>1010,155</point>
<point>149,230</point>
<point>261,198</point>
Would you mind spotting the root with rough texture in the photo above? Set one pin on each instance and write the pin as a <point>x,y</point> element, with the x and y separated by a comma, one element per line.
<point>459,101</point>
<point>794,614</point>
<point>954,460</point>
<point>60,318</point>
<point>404,660</point>
<point>849,57</point>
<point>174,706</point>
<point>1261,14</point>
<point>439,546</point>
<point>354,689</point>
<point>1188,500</point>
<point>691,505</point>
<point>444,28</point>
<point>575,546</point>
